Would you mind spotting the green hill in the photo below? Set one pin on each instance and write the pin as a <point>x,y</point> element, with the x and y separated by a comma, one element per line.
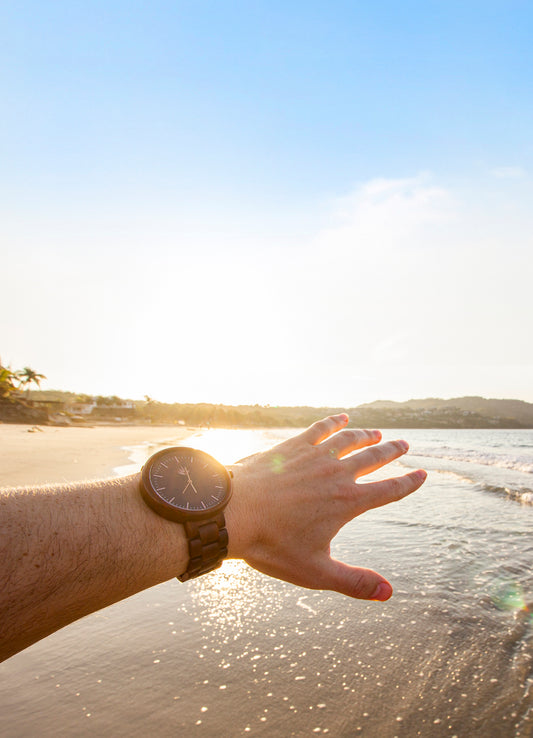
<point>460,412</point>
<point>474,412</point>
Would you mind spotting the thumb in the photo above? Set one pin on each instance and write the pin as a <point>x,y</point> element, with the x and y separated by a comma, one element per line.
<point>353,581</point>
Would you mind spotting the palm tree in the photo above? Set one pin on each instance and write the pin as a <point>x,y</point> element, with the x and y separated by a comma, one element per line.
<point>7,382</point>
<point>28,376</point>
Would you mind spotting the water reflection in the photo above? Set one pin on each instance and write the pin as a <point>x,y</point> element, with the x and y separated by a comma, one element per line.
<point>228,446</point>
<point>236,653</point>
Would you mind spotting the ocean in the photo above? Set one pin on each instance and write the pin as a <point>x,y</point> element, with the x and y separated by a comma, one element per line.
<point>236,653</point>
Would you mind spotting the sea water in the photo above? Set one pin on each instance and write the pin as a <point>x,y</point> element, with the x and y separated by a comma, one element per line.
<point>237,653</point>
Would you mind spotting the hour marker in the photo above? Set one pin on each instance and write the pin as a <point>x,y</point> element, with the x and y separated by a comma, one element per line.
<point>164,465</point>
<point>173,500</point>
<point>202,503</point>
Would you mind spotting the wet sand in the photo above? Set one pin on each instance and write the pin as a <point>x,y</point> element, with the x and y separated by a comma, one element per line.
<point>49,454</point>
<point>236,653</point>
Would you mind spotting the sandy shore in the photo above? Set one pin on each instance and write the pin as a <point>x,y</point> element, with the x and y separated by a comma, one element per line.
<point>37,455</point>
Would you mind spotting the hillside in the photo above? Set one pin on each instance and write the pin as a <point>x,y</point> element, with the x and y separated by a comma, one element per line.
<point>461,412</point>
<point>477,412</point>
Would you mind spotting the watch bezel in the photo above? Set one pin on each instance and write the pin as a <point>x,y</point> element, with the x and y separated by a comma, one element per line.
<point>166,509</point>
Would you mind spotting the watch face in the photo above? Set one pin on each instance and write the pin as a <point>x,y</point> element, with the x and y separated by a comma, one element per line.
<point>183,483</point>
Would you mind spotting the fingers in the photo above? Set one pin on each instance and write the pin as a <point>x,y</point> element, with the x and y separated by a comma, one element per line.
<point>376,494</point>
<point>343,443</point>
<point>323,429</point>
<point>362,584</point>
<point>374,458</point>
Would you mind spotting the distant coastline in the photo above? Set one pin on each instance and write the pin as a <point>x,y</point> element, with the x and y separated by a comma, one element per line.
<point>66,408</point>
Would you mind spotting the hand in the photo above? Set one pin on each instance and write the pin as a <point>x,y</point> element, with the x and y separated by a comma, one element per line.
<point>289,502</point>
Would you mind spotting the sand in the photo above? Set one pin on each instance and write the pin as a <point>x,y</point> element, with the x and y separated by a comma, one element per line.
<point>256,656</point>
<point>43,454</point>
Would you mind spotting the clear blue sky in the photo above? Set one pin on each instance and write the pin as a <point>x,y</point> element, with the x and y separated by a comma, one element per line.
<point>321,203</point>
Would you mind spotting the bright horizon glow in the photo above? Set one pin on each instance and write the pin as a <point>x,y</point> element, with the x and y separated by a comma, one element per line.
<point>301,205</point>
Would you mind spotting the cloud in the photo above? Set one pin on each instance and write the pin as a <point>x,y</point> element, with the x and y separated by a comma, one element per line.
<point>508,172</point>
<point>411,272</point>
<point>388,214</point>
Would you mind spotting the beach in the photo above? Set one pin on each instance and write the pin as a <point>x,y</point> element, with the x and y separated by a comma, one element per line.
<point>236,653</point>
<point>45,453</point>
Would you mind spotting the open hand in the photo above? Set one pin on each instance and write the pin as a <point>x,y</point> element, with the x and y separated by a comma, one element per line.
<point>289,502</point>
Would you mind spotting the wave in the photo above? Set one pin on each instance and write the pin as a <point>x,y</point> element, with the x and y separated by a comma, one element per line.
<point>519,463</point>
<point>519,492</point>
<point>523,495</point>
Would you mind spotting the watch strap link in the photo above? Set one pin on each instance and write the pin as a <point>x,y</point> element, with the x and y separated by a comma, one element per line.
<point>208,546</point>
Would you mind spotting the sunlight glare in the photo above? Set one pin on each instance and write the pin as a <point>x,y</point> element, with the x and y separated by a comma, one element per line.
<point>227,446</point>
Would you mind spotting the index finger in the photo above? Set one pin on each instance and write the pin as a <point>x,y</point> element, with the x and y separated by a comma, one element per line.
<point>324,428</point>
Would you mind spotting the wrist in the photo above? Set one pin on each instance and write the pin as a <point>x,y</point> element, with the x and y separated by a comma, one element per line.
<point>190,489</point>
<point>163,542</point>
<point>240,516</point>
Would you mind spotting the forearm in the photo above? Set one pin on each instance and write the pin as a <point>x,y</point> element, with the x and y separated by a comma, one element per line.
<point>70,550</point>
<point>67,551</point>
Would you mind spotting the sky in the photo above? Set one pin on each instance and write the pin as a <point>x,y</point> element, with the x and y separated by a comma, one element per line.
<point>268,202</point>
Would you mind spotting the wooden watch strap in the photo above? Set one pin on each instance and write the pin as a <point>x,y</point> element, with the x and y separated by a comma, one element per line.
<point>208,546</point>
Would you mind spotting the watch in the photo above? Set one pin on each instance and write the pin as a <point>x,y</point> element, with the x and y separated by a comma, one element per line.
<point>191,487</point>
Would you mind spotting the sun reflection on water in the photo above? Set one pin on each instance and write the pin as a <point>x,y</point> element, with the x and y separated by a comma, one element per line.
<point>229,446</point>
<point>235,597</point>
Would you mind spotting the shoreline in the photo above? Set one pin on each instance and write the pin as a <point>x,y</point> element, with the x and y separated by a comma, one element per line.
<point>46,454</point>
<point>257,653</point>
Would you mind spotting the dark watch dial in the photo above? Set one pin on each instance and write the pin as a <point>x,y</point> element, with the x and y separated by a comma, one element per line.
<point>183,483</point>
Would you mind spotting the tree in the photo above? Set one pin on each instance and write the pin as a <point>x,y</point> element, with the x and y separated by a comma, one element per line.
<point>7,382</point>
<point>28,376</point>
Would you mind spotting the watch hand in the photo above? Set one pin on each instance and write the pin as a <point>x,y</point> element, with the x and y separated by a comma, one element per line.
<point>190,483</point>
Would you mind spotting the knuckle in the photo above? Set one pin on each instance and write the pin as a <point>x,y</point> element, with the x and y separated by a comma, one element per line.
<point>322,426</point>
<point>358,585</point>
<point>381,453</point>
<point>343,492</point>
<point>336,484</point>
<point>352,435</point>
<point>396,489</point>
<point>330,467</point>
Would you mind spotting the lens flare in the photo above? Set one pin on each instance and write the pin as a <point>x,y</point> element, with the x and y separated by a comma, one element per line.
<point>278,463</point>
<point>509,595</point>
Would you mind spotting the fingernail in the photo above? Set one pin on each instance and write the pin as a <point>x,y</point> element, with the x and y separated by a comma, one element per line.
<point>404,445</point>
<point>343,417</point>
<point>421,474</point>
<point>382,592</point>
